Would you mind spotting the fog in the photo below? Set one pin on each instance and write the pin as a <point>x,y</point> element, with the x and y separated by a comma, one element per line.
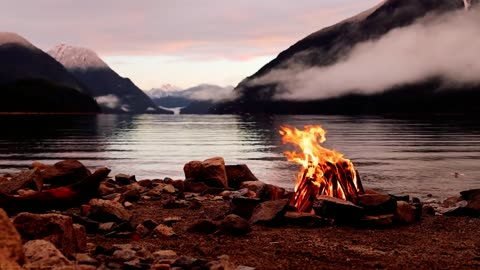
<point>445,46</point>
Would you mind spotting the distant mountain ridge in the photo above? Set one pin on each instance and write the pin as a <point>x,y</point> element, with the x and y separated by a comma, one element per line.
<point>329,46</point>
<point>32,81</point>
<point>113,93</point>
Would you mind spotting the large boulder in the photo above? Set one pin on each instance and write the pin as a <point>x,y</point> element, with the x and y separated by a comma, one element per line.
<point>269,212</point>
<point>377,204</point>
<point>27,179</point>
<point>42,254</point>
<point>106,211</point>
<point>64,173</point>
<point>471,195</point>
<point>237,174</point>
<point>211,171</point>
<point>11,251</point>
<point>337,209</point>
<point>55,228</point>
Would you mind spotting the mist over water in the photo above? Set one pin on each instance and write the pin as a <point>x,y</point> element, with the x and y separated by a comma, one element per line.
<point>416,157</point>
<point>436,46</point>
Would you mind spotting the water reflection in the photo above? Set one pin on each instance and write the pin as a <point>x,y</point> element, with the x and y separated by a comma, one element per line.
<point>416,156</point>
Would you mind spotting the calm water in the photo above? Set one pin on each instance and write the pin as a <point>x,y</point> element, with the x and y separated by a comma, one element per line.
<point>416,157</point>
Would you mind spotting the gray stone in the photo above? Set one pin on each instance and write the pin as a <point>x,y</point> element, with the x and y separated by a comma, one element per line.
<point>42,254</point>
<point>27,179</point>
<point>270,212</point>
<point>124,255</point>
<point>105,211</point>
<point>163,231</point>
<point>235,225</point>
<point>55,228</point>
<point>405,213</point>
<point>307,220</point>
<point>340,210</point>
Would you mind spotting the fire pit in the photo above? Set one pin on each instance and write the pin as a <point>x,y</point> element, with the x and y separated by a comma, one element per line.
<point>323,172</point>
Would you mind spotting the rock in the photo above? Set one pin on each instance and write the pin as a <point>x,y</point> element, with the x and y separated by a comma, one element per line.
<point>405,213</point>
<point>171,220</point>
<point>42,254</point>
<point>174,204</point>
<point>193,169</point>
<point>115,197</point>
<point>243,206</point>
<point>237,174</point>
<point>133,194</point>
<point>428,210</point>
<point>170,189</point>
<point>255,186</point>
<point>211,171</point>
<point>142,230</point>
<point>55,228</point>
<point>376,221</point>
<point>80,237</point>
<point>307,220</point>
<point>471,195</point>
<point>452,201</point>
<point>405,198</point>
<point>105,211</point>
<point>235,225</point>
<point>472,209</point>
<point>91,226</point>
<point>147,183</point>
<point>83,258</point>
<point>272,192</point>
<point>125,179</point>
<point>105,189</point>
<point>270,212</point>
<point>136,264</point>
<point>203,226</point>
<point>377,204</point>
<point>26,192</point>
<point>64,173</point>
<point>160,266</point>
<point>184,262</point>
<point>30,179</point>
<point>195,187</point>
<point>163,231</point>
<point>11,250</point>
<point>339,210</point>
<point>124,255</point>
<point>128,205</point>
<point>106,227</point>
<point>150,224</point>
<point>164,255</point>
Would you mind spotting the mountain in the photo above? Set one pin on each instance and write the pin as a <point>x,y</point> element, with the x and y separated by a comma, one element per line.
<point>32,81</point>
<point>194,100</point>
<point>113,93</point>
<point>318,74</point>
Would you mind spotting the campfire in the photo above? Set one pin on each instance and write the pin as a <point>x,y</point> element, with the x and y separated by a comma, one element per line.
<point>323,172</point>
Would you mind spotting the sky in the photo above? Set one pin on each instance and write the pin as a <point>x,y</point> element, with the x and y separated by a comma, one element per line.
<point>179,42</point>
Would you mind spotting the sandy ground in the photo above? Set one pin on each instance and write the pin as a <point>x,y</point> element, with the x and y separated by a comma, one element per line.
<point>437,242</point>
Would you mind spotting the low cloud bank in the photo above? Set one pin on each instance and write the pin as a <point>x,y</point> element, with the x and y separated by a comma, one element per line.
<point>445,46</point>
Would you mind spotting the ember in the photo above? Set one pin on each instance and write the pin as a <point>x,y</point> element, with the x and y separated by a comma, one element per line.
<point>323,172</point>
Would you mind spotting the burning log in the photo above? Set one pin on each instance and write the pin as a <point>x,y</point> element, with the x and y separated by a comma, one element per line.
<point>56,198</point>
<point>325,171</point>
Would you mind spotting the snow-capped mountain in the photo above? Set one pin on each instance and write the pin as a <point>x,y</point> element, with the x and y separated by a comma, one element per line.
<point>32,81</point>
<point>112,92</point>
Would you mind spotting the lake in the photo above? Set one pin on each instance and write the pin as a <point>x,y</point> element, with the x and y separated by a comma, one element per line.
<point>402,156</point>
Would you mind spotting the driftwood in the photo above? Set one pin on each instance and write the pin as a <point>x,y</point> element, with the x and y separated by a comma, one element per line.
<point>334,176</point>
<point>55,198</point>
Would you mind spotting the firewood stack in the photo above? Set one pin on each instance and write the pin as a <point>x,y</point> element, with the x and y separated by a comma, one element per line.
<point>331,179</point>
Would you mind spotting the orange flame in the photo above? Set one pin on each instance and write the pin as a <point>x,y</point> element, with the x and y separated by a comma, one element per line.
<point>326,169</point>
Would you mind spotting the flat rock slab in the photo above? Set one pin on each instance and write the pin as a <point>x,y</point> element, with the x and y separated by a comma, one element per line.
<point>307,220</point>
<point>105,211</point>
<point>376,221</point>
<point>340,210</point>
<point>377,204</point>
<point>27,179</point>
<point>269,212</point>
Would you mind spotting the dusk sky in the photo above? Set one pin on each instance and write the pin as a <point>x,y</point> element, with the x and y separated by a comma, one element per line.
<point>179,42</point>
